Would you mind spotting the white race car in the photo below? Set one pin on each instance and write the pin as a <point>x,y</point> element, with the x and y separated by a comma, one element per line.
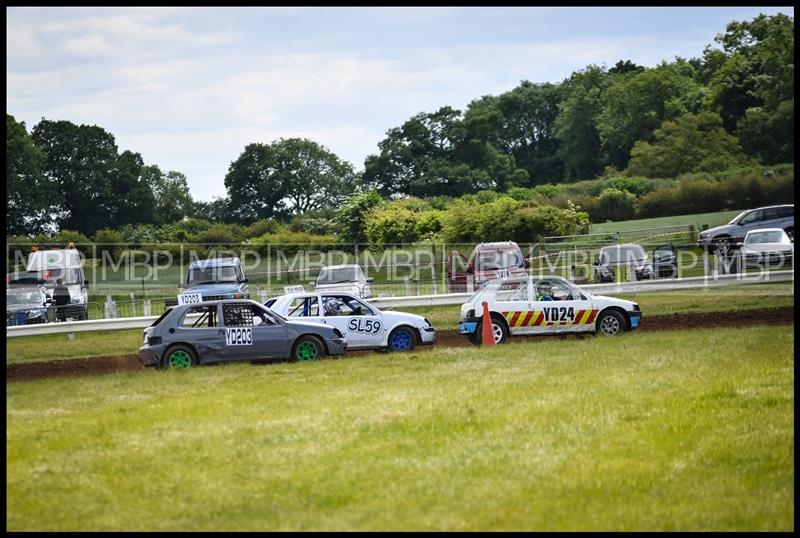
<point>544,305</point>
<point>363,325</point>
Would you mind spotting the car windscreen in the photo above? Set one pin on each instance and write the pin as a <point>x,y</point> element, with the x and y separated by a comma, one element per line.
<point>342,274</point>
<point>763,237</point>
<point>502,259</point>
<point>622,254</point>
<point>68,276</point>
<point>22,296</point>
<point>26,277</point>
<point>211,275</point>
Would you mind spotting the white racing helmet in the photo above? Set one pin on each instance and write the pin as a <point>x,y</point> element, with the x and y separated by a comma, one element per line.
<point>332,306</point>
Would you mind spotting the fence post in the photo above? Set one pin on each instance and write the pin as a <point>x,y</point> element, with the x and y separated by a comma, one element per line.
<point>147,308</point>
<point>406,285</point>
<point>470,283</point>
<point>133,304</point>
<point>110,308</point>
<point>262,294</point>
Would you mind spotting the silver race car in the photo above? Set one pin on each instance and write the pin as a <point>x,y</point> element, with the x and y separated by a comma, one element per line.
<point>363,325</point>
<point>233,330</point>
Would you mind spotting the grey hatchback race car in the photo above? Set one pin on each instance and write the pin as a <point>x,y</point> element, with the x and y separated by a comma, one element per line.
<point>233,330</point>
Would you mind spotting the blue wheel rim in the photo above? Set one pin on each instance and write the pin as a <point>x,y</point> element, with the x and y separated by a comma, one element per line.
<point>401,341</point>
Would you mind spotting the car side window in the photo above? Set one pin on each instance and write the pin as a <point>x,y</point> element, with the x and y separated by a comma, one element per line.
<point>303,307</point>
<point>753,216</point>
<point>245,315</point>
<point>200,317</point>
<point>349,306</point>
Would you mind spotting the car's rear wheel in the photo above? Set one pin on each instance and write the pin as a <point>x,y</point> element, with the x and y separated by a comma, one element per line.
<point>722,245</point>
<point>610,323</point>
<point>179,357</point>
<point>402,339</point>
<point>307,348</point>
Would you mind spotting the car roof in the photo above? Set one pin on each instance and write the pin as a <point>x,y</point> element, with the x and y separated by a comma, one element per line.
<point>214,262</point>
<point>498,244</point>
<point>341,266</point>
<point>765,230</point>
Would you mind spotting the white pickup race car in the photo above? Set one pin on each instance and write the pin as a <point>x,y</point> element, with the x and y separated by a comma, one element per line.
<point>364,326</point>
<point>544,305</point>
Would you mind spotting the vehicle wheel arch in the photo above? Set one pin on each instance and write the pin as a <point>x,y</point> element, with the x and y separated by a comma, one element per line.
<point>172,346</point>
<point>319,339</point>
<point>497,316</point>
<point>619,309</point>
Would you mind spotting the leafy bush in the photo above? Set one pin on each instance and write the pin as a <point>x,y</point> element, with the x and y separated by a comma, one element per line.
<point>615,205</point>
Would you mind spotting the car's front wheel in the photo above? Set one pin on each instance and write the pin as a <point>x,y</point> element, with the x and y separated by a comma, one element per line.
<point>610,322</point>
<point>307,348</point>
<point>402,339</point>
<point>179,357</point>
<point>499,330</point>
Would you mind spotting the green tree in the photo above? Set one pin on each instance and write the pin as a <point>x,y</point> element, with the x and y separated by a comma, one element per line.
<point>693,142</point>
<point>635,105</point>
<point>32,196</point>
<point>577,120</point>
<point>352,215</point>
<point>98,186</point>
<point>287,176</point>
<point>171,198</point>
<point>758,70</point>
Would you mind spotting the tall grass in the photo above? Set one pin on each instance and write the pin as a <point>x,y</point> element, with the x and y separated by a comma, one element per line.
<point>651,431</point>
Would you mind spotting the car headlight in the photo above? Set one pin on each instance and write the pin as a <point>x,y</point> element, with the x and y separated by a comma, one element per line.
<point>428,322</point>
<point>470,314</point>
<point>338,333</point>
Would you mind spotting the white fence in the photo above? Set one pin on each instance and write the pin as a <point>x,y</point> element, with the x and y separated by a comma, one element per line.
<point>431,300</point>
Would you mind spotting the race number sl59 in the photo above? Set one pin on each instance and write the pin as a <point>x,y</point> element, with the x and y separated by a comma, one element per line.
<point>190,298</point>
<point>239,336</point>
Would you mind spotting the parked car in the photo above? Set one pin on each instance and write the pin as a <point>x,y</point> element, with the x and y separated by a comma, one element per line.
<point>363,325</point>
<point>544,305</point>
<point>213,279</point>
<point>611,258</point>
<point>723,238</point>
<point>233,330</point>
<point>766,247</point>
<point>488,261</point>
<point>26,305</point>
<point>346,278</point>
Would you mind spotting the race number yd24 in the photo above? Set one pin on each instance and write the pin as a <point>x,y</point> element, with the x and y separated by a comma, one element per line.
<point>360,325</point>
<point>239,336</point>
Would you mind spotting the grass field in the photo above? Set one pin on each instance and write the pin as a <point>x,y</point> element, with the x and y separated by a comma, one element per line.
<point>688,430</point>
<point>698,219</point>
<point>37,348</point>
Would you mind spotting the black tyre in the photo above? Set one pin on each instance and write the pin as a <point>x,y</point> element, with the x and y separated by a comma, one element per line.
<point>610,323</point>
<point>402,339</point>
<point>179,357</point>
<point>473,337</point>
<point>499,330</point>
<point>307,348</point>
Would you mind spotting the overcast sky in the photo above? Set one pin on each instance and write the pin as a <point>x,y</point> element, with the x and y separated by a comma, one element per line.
<point>188,88</point>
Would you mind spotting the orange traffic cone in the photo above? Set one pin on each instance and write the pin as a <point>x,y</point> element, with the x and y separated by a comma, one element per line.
<point>487,334</point>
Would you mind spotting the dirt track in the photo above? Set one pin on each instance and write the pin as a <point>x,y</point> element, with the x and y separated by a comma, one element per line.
<point>448,338</point>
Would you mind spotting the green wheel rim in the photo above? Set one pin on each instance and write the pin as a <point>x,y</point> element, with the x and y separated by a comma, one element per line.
<point>307,351</point>
<point>179,359</point>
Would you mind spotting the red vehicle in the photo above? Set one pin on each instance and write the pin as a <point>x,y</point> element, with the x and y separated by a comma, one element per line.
<point>487,262</point>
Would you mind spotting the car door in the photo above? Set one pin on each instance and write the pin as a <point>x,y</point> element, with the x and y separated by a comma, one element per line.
<point>200,326</point>
<point>361,324</point>
<point>251,333</point>
<point>565,309</point>
<point>513,302</point>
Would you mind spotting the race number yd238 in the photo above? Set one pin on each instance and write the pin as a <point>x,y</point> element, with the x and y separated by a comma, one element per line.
<point>239,336</point>
<point>360,325</point>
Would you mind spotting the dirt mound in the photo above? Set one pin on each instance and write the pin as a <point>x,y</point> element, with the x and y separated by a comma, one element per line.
<point>445,338</point>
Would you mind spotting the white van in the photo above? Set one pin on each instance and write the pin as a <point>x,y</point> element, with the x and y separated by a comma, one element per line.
<point>66,264</point>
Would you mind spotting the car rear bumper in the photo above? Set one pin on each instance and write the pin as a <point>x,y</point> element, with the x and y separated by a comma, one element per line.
<point>149,356</point>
